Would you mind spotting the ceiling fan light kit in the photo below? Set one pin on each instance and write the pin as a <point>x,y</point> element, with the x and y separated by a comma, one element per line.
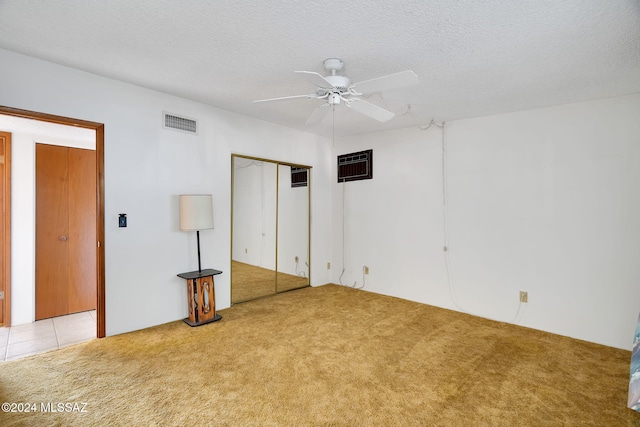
<point>336,88</point>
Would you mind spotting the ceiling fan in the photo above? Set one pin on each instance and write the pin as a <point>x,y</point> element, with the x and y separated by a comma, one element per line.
<point>337,88</point>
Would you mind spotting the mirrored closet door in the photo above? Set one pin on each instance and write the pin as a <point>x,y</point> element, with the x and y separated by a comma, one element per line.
<point>270,227</point>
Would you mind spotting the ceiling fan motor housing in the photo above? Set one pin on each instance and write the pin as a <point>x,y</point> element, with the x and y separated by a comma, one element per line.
<point>339,82</point>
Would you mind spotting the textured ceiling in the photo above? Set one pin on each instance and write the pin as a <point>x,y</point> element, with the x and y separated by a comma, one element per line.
<point>473,58</point>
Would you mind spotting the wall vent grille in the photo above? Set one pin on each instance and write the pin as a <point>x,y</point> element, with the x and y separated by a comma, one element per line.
<point>299,177</point>
<point>181,123</point>
<point>355,166</point>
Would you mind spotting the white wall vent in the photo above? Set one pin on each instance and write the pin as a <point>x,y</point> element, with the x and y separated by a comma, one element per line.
<point>181,123</point>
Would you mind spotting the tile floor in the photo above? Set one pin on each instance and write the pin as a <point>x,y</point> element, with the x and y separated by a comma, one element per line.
<point>45,335</point>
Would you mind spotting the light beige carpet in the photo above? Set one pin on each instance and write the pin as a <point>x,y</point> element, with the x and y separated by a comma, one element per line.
<point>250,282</point>
<point>327,356</point>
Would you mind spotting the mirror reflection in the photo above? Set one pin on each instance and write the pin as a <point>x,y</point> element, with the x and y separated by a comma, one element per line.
<point>270,228</point>
<point>293,228</point>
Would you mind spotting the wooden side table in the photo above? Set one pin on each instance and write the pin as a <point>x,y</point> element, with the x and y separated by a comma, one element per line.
<point>201,297</point>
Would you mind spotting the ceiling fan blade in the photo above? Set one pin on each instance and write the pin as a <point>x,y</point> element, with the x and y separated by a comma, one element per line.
<point>318,114</point>
<point>368,109</point>
<point>284,98</point>
<point>315,78</point>
<point>392,81</point>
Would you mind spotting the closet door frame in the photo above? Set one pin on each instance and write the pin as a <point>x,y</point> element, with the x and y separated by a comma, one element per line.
<point>277,163</point>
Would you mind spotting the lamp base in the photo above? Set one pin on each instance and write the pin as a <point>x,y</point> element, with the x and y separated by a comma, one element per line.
<point>201,297</point>
<point>204,322</point>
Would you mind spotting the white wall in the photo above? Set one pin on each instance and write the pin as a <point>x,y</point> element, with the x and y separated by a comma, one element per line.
<point>23,229</point>
<point>545,201</point>
<point>147,167</point>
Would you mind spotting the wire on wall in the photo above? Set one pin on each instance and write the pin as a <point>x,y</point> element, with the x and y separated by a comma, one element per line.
<point>445,216</point>
<point>355,283</point>
<point>432,122</point>
<point>333,126</point>
<point>445,223</point>
<point>363,279</point>
<point>344,185</point>
<point>302,273</point>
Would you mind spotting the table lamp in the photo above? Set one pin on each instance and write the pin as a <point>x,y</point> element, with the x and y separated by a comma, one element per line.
<point>196,213</point>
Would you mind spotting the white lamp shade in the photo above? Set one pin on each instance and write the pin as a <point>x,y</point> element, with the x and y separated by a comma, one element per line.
<point>196,211</point>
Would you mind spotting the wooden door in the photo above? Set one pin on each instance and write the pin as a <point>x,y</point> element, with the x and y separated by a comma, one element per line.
<point>5,227</point>
<point>65,230</point>
<point>82,230</point>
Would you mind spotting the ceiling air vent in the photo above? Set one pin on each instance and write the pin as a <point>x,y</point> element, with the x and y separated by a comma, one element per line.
<point>355,166</point>
<point>184,124</point>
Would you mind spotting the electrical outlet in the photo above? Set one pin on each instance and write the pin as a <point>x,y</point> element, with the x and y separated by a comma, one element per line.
<point>524,296</point>
<point>366,269</point>
<point>296,259</point>
<point>246,250</point>
<point>328,266</point>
